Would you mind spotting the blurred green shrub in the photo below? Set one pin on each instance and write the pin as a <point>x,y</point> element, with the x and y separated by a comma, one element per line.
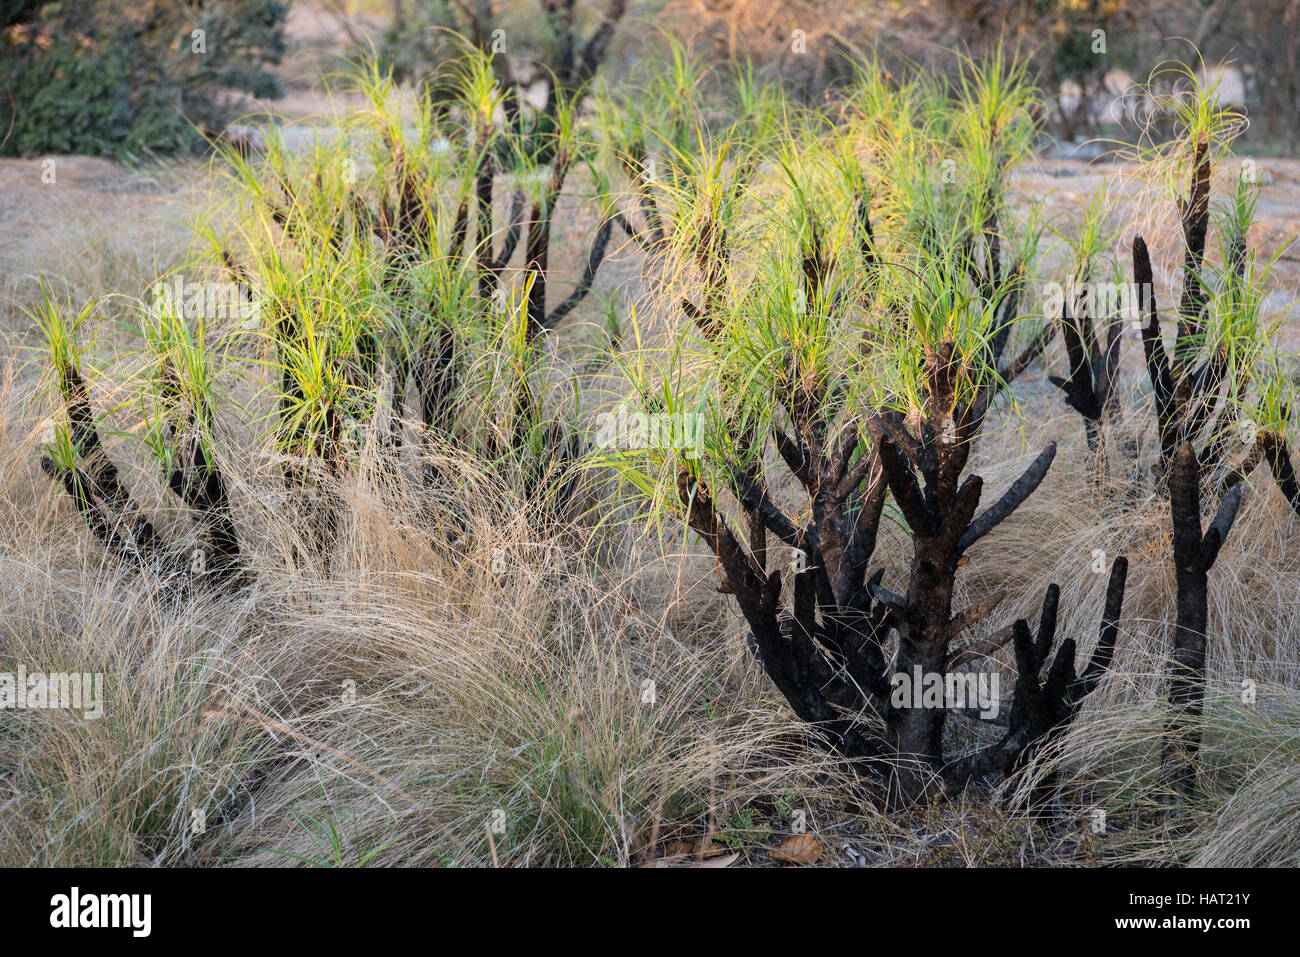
<point>107,77</point>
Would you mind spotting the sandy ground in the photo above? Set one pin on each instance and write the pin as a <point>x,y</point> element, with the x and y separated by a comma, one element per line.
<point>95,227</point>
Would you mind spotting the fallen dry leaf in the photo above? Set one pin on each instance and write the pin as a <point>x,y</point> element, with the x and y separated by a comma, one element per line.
<point>704,847</point>
<point>798,849</point>
<point>714,862</point>
<point>692,860</point>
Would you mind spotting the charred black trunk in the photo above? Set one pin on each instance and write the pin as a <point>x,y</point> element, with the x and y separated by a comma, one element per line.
<point>1194,554</point>
<point>92,481</point>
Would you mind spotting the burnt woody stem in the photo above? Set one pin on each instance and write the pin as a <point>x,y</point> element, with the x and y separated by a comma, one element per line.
<point>202,486</point>
<point>1090,388</point>
<point>111,512</point>
<point>96,479</point>
<point>1043,708</point>
<point>1194,555</point>
<point>1194,217</point>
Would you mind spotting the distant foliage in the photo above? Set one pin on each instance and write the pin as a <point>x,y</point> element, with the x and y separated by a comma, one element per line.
<point>114,78</point>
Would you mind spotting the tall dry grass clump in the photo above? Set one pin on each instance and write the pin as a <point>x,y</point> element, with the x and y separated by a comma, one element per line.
<point>391,713</point>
